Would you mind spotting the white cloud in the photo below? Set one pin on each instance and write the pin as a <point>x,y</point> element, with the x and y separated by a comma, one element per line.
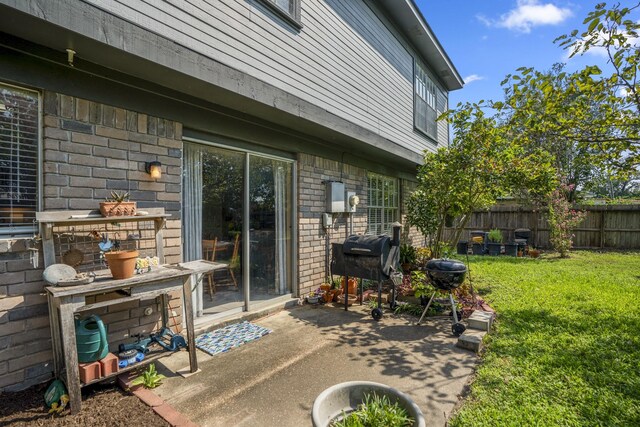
<point>600,51</point>
<point>529,14</point>
<point>472,78</point>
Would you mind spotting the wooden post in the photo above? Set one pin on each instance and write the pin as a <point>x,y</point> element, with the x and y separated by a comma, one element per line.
<point>188,313</point>
<point>602,223</point>
<point>67,323</point>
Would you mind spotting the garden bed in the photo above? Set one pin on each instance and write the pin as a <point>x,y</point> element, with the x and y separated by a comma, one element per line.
<point>102,405</point>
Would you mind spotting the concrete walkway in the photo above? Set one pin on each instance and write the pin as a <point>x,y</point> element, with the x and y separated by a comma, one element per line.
<point>274,380</point>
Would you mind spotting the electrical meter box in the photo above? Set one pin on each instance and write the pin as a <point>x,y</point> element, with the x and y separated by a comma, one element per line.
<point>335,197</point>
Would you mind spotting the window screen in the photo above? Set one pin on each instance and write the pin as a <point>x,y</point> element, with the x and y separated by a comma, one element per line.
<point>19,135</point>
<point>425,102</point>
<point>383,203</point>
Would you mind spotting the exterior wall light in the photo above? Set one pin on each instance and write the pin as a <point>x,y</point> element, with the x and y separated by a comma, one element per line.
<point>154,169</point>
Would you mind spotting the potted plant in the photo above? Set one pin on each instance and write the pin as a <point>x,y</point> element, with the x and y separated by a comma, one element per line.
<point>511,249</point>
<point>495,242</point>
<point>408,257</point>
<point>118,204</point>
<point>352,286</point>
<point>377,403</point>
<point>313,297</point>
<point>534,253</point>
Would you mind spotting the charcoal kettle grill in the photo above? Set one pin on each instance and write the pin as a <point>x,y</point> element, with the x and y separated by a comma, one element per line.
<point>446,275</point>
<point>368,257</point>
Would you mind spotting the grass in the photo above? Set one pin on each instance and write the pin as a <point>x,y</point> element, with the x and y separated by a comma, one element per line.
<point>566,349</point>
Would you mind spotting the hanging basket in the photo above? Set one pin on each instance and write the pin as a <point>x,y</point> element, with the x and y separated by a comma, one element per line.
<point>122,263</point>
<point>108,209</point>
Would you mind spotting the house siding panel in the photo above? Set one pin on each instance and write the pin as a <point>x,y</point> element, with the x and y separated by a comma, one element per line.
<point>346,59</point>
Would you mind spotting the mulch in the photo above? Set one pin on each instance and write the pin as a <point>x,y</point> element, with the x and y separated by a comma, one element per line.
<point>102,405</point>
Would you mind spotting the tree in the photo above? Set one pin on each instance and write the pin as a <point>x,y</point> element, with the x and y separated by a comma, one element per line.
<point>479,166</point>
<point>613,32</point>
<point>575,117</point>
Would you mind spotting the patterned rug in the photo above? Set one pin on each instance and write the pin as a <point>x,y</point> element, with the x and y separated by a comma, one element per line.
<point>231,336</point>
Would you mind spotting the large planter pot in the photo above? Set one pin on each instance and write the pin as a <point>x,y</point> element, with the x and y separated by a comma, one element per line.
<point>511,249</point>
<point>462,248</point>
<point>122,263</point>
<point>494,248</point>
<point>330,404</point>
<point>108,209</point>
<point>477,249</point>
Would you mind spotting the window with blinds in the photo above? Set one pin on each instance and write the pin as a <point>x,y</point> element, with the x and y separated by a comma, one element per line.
<point>19,147</point>
<point>383,207</point>
<point>425,103</point>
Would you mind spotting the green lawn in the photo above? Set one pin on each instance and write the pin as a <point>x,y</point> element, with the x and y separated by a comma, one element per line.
<point>566,347</point>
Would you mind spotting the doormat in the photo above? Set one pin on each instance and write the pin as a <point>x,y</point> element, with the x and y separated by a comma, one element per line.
<point>231,336</point>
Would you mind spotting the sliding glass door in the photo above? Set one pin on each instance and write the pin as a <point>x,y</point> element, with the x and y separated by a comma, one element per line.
<point>270,225</point>
<point>237,212</point>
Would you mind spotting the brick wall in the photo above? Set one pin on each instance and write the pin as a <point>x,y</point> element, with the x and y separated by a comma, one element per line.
<point>90,149</point>
<point>313,172</point>
<point>409,234</point>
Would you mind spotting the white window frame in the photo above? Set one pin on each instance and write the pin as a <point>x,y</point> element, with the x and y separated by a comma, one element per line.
<point>28,230</point>
<point>425,104</point>
<point>290,14</point>
<point>383,205</point>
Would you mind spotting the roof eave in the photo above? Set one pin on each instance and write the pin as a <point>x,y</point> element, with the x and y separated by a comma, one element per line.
<point>409,19</point>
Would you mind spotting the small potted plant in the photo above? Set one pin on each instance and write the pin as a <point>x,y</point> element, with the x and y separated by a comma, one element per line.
<point>314,297</point>
<point>118,204</point>
<point>534,253</point>
<point>495,242</point>
<point>408,257</point>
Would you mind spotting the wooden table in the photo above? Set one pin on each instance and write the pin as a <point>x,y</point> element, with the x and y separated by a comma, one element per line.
<point>66,302</point>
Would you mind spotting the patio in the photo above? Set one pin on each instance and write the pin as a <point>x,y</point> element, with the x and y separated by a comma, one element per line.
<point>274,380</point>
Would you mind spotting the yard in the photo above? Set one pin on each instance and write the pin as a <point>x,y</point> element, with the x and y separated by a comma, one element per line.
<point>566,349</point>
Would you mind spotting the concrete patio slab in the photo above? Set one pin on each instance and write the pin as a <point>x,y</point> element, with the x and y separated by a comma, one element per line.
<point>274,380</point>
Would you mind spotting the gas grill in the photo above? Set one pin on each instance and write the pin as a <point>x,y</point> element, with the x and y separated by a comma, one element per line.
<point>521,238</point>
<point>368,257</point>
<point>446,275</point>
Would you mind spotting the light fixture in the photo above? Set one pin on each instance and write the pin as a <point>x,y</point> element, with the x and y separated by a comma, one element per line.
<point>70,56</point>
<point>154,169</point>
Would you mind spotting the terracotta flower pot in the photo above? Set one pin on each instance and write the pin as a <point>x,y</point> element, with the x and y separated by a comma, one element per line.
<point>108,209</point>
<point>353,285</point>
<point>122,263</point>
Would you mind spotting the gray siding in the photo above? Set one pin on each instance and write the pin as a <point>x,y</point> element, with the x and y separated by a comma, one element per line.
<point>345,59</point>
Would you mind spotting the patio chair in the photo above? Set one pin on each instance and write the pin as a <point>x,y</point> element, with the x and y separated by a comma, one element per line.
<point>209,248</point>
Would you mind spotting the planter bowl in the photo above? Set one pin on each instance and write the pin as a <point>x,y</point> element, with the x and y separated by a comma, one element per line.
<point>347,396</point>
<point>108,209</point>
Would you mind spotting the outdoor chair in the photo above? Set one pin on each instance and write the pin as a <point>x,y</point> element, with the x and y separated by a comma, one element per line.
<point>209,249</point>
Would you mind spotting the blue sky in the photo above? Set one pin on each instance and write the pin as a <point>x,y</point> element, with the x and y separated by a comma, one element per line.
<point>488,39</point>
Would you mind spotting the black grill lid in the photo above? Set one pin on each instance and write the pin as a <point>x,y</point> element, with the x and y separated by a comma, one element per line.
<point>443,264</point>
<point>367,245</point>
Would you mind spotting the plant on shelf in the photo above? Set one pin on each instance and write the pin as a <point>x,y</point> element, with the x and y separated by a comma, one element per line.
<point>118,204</point>
<point>149,378</point>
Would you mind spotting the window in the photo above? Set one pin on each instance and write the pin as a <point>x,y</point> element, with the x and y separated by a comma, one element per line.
<point>19,136</point>
<point>425,100</point>
<point>289,9</point>
<point>383,203</point>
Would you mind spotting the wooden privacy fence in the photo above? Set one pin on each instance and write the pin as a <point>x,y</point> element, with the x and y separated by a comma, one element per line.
<point>605,227</point>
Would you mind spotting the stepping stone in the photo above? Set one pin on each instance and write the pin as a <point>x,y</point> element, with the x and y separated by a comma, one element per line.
<point>471,340</point>
<point>480,320</point>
